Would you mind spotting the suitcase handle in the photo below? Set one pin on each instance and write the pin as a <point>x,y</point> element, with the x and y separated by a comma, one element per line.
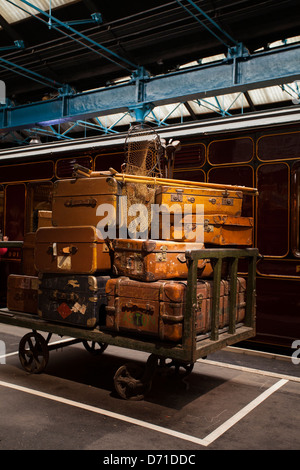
<point>171,318</point>
<point>111,310</point>
<point>71,297</point>
<point>81,202</point>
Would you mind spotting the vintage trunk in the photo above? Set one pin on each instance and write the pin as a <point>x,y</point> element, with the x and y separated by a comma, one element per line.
<point>75,201</point>
<point>158,308</point>
<point>22,293</point>
<point>70,250</point>
<point>28,267</point>
<point>213,230</point>
<point>77,300</point>
<point>151,260</point>
<point>214,201</point>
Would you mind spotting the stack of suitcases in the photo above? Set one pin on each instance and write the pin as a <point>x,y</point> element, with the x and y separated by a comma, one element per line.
<point>133,286</point>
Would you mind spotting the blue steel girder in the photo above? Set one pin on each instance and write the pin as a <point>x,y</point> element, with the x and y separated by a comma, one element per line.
<point>268,68</point>
<point>89,43</point>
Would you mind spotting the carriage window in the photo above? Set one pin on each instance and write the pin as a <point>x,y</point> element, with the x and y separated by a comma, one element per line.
<point>295,210</point>
<point>279,146</point>
<point>27,172</point>
<point>109,160</point>
<point>235,175</point>
<point>273,209</point>
<point>190,175</point>
<point>14,211</point>
<point>64,168</point>
<point>190,156</point>
<point>240,150</point>
<point>39,198</point>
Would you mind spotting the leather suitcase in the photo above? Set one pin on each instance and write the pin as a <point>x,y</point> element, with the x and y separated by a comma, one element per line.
<point>22,293</point>
<point>218,230</point>
<point>78,300</point>
<point>70,250</point>
<point>157,308</point>
<point>151,260</point>
<point>240,302</point>
<point>75,201</point>
<point>28,268</point>
<point>215,201</point>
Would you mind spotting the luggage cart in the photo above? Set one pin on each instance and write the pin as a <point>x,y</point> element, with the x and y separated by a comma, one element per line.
<point>130,380</point>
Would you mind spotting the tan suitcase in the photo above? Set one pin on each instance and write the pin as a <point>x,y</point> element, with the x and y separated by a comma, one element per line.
<point>22,293</point>
<point>215,201</point>
<point>217,230</point>
<point>151,260</point>
<point>75,201</point>
<point>72,250</point>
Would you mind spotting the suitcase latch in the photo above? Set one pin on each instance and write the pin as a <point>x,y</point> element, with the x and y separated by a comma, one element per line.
<point>163,255</point>
<point>176,197</point>
<point>208,228</point>
<point>227,201</point>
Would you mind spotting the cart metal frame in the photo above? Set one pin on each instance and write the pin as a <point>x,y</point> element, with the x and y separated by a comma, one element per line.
<point>132,383</point>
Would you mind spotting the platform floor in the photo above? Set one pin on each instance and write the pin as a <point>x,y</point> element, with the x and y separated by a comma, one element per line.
<point>233,400</point>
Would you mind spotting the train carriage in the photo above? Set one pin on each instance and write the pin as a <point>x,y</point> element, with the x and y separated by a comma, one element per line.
<point>259,150</point>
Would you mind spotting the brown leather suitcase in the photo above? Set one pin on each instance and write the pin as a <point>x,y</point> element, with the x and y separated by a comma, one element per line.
<point>151,260</point>
<point>158,308</point>
<point>218,230</point>
<point>22,293</point>
<point>28,267</point>
<point>215,201</point>
<point>75,201</point>
<point>155,308</point>
<point>240,302</point>
<point>72,250</point>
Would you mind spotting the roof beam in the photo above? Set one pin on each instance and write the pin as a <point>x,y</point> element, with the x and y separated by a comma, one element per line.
<point>274,67</point>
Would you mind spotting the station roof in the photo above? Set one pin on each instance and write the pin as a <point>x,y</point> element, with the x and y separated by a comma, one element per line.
<point>160,36</point>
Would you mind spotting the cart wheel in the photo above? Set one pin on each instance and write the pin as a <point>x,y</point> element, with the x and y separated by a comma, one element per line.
<point>187,367</point>
<point>129,384</point>
<point>33,353</point>
<point>94,347</point>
